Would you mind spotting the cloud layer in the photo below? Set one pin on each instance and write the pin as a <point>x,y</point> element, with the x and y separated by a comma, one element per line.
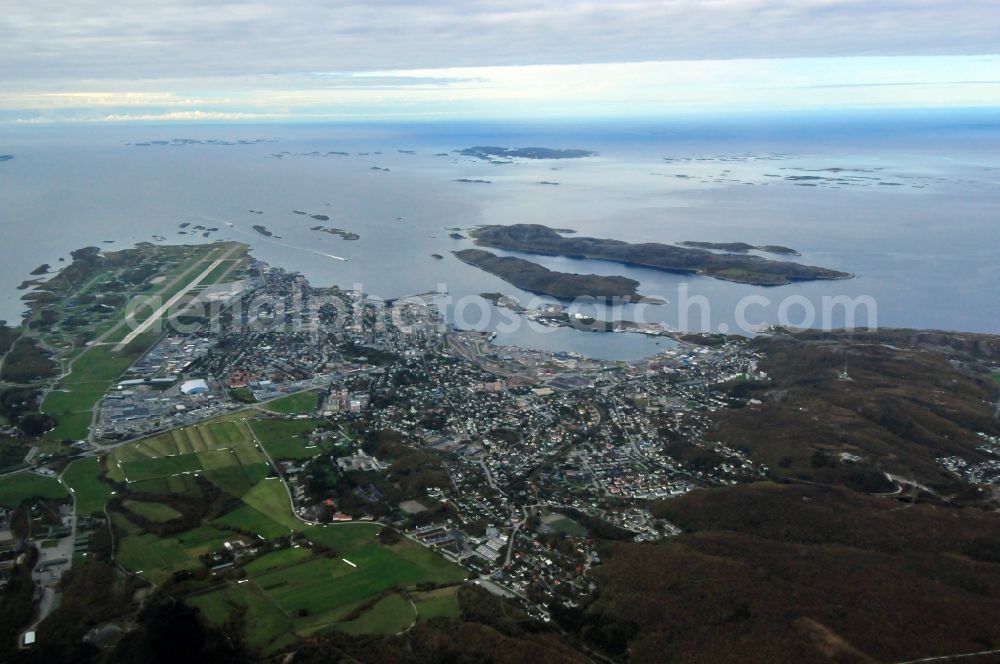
<point>214,55</point>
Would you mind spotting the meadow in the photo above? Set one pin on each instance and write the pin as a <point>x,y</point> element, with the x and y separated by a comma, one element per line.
<point>340,577</point>
<point>15,489</point>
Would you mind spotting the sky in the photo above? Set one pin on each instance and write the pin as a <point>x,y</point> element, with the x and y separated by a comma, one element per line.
<point>276,60</point>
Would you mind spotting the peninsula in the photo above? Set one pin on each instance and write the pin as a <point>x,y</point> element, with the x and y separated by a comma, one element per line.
<point>539,279</point>
<point>754,270</point>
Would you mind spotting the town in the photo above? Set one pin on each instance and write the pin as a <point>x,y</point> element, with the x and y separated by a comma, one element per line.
<point>501,459</point>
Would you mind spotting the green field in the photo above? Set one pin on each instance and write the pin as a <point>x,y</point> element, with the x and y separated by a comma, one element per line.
<point>271,498</point>
<point>294,404</point>
<point>15,489</point>
<point>152,511</point>
<point>996,376</point>
<point>277,559</point>
<point>83,476</point>
<point>266,628</point>
<point>159,557</point>
<point>246,518</point>
<point>121,521</point>
<point>337,586</point>
<point>286,439</point>
<point>223,451</point>
<point>441,603</point>
<point>290,592</point>
<point>389,615</point>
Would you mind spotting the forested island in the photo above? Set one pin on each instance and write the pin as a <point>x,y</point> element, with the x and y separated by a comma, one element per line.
<point>490,152</point>
<point>754,270</point>
<point>539,279</point>
<point>742,247</point>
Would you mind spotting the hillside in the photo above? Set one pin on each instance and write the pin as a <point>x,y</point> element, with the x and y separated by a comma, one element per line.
<point>811,566</point>
<point>804,573</point>
<point>906,403</point>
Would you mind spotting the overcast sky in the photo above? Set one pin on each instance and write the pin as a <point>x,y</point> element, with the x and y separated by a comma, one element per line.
<point>314,59</point>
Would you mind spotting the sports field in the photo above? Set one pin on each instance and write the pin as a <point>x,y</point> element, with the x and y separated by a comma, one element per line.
<point>294,404</point>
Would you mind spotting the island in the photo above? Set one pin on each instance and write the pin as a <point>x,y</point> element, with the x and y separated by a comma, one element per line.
<point>41,269</point>
<point>538,279</point>
<point>345,235</point>
<point>262,230</point>
<point>320,217</point>
<point>6,157</point>
<point>742,247</point>
<point>491,152</point>
<point>473,181</point>
<point>753,270</point>
<point>456,236</point>
<point>437,257</point>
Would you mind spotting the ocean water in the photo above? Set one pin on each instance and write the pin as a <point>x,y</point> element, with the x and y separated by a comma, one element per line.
<point>907,202</point>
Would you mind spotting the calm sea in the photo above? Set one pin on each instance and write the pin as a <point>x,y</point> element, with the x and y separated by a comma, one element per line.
<point>908,202</point>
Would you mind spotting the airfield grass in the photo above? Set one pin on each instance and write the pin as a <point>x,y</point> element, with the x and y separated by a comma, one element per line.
<point>84,477</point>
<point>215,275</point>
<point>389,615</point>
<point>153,511</point>
<point>93,373</point>
<point>440,603</point>
<point>96,368</point>
<point>15,489</point>
<point>286,439</point>
<point>294,404</point>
